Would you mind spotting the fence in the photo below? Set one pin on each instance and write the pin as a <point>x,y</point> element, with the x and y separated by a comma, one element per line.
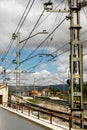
<point>48,114</point>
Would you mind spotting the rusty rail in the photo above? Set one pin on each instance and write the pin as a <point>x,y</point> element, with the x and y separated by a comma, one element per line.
<point>40,110</point>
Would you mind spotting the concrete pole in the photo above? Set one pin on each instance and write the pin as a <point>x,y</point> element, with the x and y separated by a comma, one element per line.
<point>18,88</point>
<point>76,75</point>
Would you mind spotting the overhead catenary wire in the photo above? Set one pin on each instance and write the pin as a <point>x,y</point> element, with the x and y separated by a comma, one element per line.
<point>54,52</point>
<point>86,18</point>
<point>58,55</point>
<point>32,31</point>
<point>60,19</point>
<point>47,17</point>
<point>49,13</point>
<point>26,14</point>
<point>55,57</point>
<point>21,21</point>
<point>61,53</point>
<point>63,0</point>
<point>43,41</point>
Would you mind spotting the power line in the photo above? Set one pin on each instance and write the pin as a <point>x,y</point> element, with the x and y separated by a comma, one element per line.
<point>44,40</point>
<point>24,11</point>
<point>21,21</point>
<point>32,30</point>
<point>48,15</point>
<point>56,51</point>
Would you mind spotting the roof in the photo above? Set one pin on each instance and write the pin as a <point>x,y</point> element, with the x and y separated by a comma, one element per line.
<point>35,92</point>
<point>3,86</point>
<point>46,89</point>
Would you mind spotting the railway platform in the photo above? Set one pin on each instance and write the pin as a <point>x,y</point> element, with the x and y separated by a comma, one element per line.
<point>40,122</point>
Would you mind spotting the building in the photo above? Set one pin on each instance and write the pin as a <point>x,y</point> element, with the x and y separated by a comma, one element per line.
<point>3,93</point>
<point>35,93</point>
<point>46,92</point>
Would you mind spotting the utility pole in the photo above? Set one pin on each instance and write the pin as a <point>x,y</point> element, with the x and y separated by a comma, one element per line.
<point>76,59</point>
<point>4,71</point>
<point>76,67</point>
<point>17,62</point>
<point>76,62</point>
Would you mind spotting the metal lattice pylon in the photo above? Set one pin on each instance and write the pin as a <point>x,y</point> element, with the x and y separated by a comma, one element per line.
<point>76,67</point>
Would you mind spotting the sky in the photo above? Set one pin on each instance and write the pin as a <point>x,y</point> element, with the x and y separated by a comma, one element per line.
<point>47,53</point>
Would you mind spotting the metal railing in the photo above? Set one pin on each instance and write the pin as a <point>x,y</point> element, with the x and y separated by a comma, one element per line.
<point>48,114</point>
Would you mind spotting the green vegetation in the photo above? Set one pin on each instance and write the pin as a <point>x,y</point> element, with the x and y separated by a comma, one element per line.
<point>85,91</point>
<point>32,100</point>
<point>44,117</point>
<point>65,96</point>
<point>53,92</point>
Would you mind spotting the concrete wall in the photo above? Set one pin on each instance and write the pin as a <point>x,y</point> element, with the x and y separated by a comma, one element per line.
<point>11,121</point>
<point>4,93</point>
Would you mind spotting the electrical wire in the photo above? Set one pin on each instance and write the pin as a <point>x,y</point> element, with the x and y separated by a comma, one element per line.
<point>58,49</point>
<point>44,40</point>
<point>49,13</point>
<point>63,53</point>
<point>26,15</point>
<point>21,21</point>
<point>36,25</point>
<point>32,30</point>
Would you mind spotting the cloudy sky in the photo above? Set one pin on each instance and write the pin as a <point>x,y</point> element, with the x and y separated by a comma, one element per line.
<point>45,54</point>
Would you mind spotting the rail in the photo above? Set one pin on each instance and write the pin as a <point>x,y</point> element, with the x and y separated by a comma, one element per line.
<point>58,101</point>
<point>30,109</point>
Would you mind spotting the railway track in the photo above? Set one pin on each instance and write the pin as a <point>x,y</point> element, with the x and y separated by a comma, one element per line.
<point>55,101</point>
<point>58,101</point>
<point>58,114</point>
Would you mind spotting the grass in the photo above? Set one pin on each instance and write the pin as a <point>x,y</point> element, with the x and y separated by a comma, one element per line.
<point>32,100</point>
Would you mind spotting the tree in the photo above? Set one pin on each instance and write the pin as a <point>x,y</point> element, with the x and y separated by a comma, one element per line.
<point>85,90</point>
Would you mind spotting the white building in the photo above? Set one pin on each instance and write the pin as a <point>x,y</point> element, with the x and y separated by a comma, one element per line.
<point>3,93</point>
